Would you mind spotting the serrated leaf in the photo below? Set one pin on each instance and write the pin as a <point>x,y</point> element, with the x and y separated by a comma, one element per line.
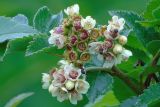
<point>149,23</point>
<point>10,29</point>
<point>143,34</point>
<point>131,102</point>
<point>99,85</point>
<point>156,12</point>
<point>40,44</point>
<point>151,94</point>
<point>107,100</point>
<point>153,46</point>
<point>44,21</point>
<point>14,102</point>
<point>20,18</point>
<point>152,4</point>
<point>16,45</point>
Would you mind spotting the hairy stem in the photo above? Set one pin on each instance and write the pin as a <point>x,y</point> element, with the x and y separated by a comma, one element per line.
<point>116,72</point>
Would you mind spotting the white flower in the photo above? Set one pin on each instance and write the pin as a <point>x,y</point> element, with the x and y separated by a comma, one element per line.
<point>57,40</point>
<point>72,72</point>
<point>82,86</point>
<point>46,79</point>
<point>93,47</point>
<point>122,40</point>
<point>116,23</point>
<point>88,23</point>
<point>72,10</point>
<point>58,92</point>
<point>126,54</point>
<point>74,97</point>
<point>63,63</point>
<point>117,49</point>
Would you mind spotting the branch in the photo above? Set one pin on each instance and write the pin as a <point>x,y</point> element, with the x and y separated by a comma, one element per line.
<point>116,72</point>
<point>152,75</point>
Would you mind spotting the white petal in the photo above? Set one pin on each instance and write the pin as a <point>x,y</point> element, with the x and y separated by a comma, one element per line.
<point>51,40</point>
<point>115,19</point>
<point>45,85</point>
<point>82,86</point>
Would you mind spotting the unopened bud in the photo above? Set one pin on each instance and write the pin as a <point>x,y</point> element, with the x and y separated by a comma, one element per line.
<point>117,49</point>
<point>122,40</point>
<point>69,85</point>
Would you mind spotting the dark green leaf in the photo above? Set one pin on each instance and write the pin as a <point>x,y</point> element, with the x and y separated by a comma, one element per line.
<point>100,84</point>
<point>16,45</point>
<point>10,29</point>
<point>153,46</point>
<point>44,21</point>
<point>121,90</point>
<point>151,94</point>
<point>156,13</point>
<point>151,23</point>
<point>40,44</point>
<point>152,4</point>
<point>14,102</point>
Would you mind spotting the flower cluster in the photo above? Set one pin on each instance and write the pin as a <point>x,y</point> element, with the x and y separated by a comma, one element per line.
<point>74,35</point>
<point>110,51</point>
<point>80,40</point>
<point>66,83</point>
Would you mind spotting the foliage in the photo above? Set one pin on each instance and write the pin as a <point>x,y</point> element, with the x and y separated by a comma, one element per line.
<point>143,41</point>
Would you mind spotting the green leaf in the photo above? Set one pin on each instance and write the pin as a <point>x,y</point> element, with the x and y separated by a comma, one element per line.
<point>152,4</point>
<point>40,44</point>
<point>131,102</point>
<point>11,29</point>
<point>156,12</point>
<point>44,21</point>
<point>20,18</point>
<point>16,45</point>
<point>151,94</point>
<point>14,102</point>
<point>100,84</point>
<point>107,100</point>
<point>153,46</point>
<point>121,90</point>
<point>143,34</point>
<point>150,23</point>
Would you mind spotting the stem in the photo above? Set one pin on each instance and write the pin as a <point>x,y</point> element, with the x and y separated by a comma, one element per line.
<point>126,79</point>
<point>152,75</point>
<point>116,72</point>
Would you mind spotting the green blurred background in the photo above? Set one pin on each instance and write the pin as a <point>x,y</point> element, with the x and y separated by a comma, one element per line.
<point>20,74</point>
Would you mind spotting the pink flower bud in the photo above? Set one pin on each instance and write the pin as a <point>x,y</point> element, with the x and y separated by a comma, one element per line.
<point>84,35</point>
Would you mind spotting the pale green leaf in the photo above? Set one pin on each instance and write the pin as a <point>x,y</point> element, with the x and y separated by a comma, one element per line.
<point>11,29</point>
<point>100,83</point>
<point>44,21</point>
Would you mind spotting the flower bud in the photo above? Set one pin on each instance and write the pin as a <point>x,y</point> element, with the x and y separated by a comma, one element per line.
<point>73,39</point>
<point>77,25</point>
<point>94,33</point>
<point>117,49</point>
<point>82,46</point>
<point>84,35</point>
<point>69,85</point>
<point>85,56</point>
<point>122,40</point>
<point>72,56</point>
